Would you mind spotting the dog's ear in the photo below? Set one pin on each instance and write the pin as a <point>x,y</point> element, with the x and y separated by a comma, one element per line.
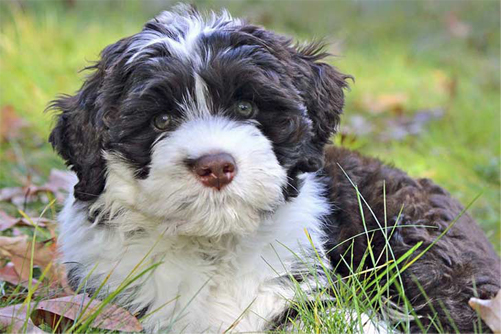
<point>322,87</point>
<point>81,130</point>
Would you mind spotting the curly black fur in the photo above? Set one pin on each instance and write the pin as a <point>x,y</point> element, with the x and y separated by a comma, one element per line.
<point>462,264</point>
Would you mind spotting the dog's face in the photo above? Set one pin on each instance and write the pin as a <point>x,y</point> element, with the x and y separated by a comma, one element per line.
<point>201,125</point>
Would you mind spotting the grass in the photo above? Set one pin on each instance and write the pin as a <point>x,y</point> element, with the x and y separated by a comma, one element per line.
<point>362,301</point>
<point>438,55</point>
<point>357,303</point>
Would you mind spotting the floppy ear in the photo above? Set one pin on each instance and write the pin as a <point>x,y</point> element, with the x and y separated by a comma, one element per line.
<point>80,131</point>
<point>322,89</point>
<point>77,139</point>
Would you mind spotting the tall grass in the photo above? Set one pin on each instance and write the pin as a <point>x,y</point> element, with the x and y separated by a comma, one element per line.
<point>361,302</point>
<point>370,299</point>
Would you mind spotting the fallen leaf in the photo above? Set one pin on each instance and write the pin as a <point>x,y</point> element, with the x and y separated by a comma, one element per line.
<point>456,27</point>
<point>9,274</point>
<point>395,103</point>
<point>17,232</point>
<point>61,179</point>
<point>14,318</point>
<point>59,183</point>
<point>10,123</point>
<point>58,282</point>
<point>400,127</point>
<point>6,194</point>
<point>489,310</point>
<point>384,128</point>
<point>66,309</point>
<point>39,221</point>
<point>358,125</point>
<point>18,251</point>
<point>21,195</point>
<point>6,221</point>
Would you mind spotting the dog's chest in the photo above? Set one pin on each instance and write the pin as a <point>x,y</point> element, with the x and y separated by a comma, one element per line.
<point>212,294</point>
<point>239,283</point>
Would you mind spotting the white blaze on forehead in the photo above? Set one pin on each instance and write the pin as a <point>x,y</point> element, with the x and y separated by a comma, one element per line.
<point>201,96</point>
<point>199,105</point>
<point>185,29</point>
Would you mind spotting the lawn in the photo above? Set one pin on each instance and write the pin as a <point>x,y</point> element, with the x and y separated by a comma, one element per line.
<point>425,96</point>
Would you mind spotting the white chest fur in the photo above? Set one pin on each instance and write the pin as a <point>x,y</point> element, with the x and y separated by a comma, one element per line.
<point>199,285</point>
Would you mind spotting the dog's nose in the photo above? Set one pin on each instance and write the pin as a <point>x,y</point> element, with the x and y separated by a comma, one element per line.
<point>215,170</point>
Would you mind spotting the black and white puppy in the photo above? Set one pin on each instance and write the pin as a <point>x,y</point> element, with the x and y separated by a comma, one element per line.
<point>198,144</point>
<point>195,144</point>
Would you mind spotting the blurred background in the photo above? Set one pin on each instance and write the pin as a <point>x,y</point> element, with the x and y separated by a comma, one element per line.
<point>426,95</point>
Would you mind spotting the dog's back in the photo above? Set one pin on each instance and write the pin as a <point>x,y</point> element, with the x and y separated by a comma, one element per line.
<point>460,265</point>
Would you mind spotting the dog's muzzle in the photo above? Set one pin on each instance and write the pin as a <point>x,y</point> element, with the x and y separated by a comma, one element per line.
<point>215,170</point>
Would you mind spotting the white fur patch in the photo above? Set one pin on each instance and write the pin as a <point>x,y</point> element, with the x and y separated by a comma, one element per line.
<point>202,97</point>
<point>211,282</point>
<point>186,28</point>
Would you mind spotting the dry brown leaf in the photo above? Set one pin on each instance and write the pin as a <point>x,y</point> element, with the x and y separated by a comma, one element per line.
<point>59,183</point>
<point>40,222</point>
<point>61,179</point>
<point>20,195</point>
<point>456,27</point>
<point>58,282</point>
<point>16,232</point>
<point>10,123</point>
<point>395,103</point>
<point>18,250</point>
<point>7,194</point>
<point>69,308</point>
<point>9,274</point>
<point>6,221</point>
<point>489,310</point>
<point>398,128</point>
<point>14,317</point>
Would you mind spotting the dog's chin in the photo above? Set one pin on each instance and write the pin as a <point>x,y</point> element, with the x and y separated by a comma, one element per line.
<point>173,200</point>
<point>174,208</point>
<point>203,212</point>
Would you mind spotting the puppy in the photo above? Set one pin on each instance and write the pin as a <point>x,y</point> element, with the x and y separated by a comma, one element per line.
<point>198,144</point>
<point>195,143</point>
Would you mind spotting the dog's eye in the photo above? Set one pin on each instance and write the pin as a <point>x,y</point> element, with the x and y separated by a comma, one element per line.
<point>245,108</point>
<point>161,122</point>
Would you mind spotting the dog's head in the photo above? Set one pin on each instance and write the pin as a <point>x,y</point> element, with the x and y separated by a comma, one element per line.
<point>202,123</point>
